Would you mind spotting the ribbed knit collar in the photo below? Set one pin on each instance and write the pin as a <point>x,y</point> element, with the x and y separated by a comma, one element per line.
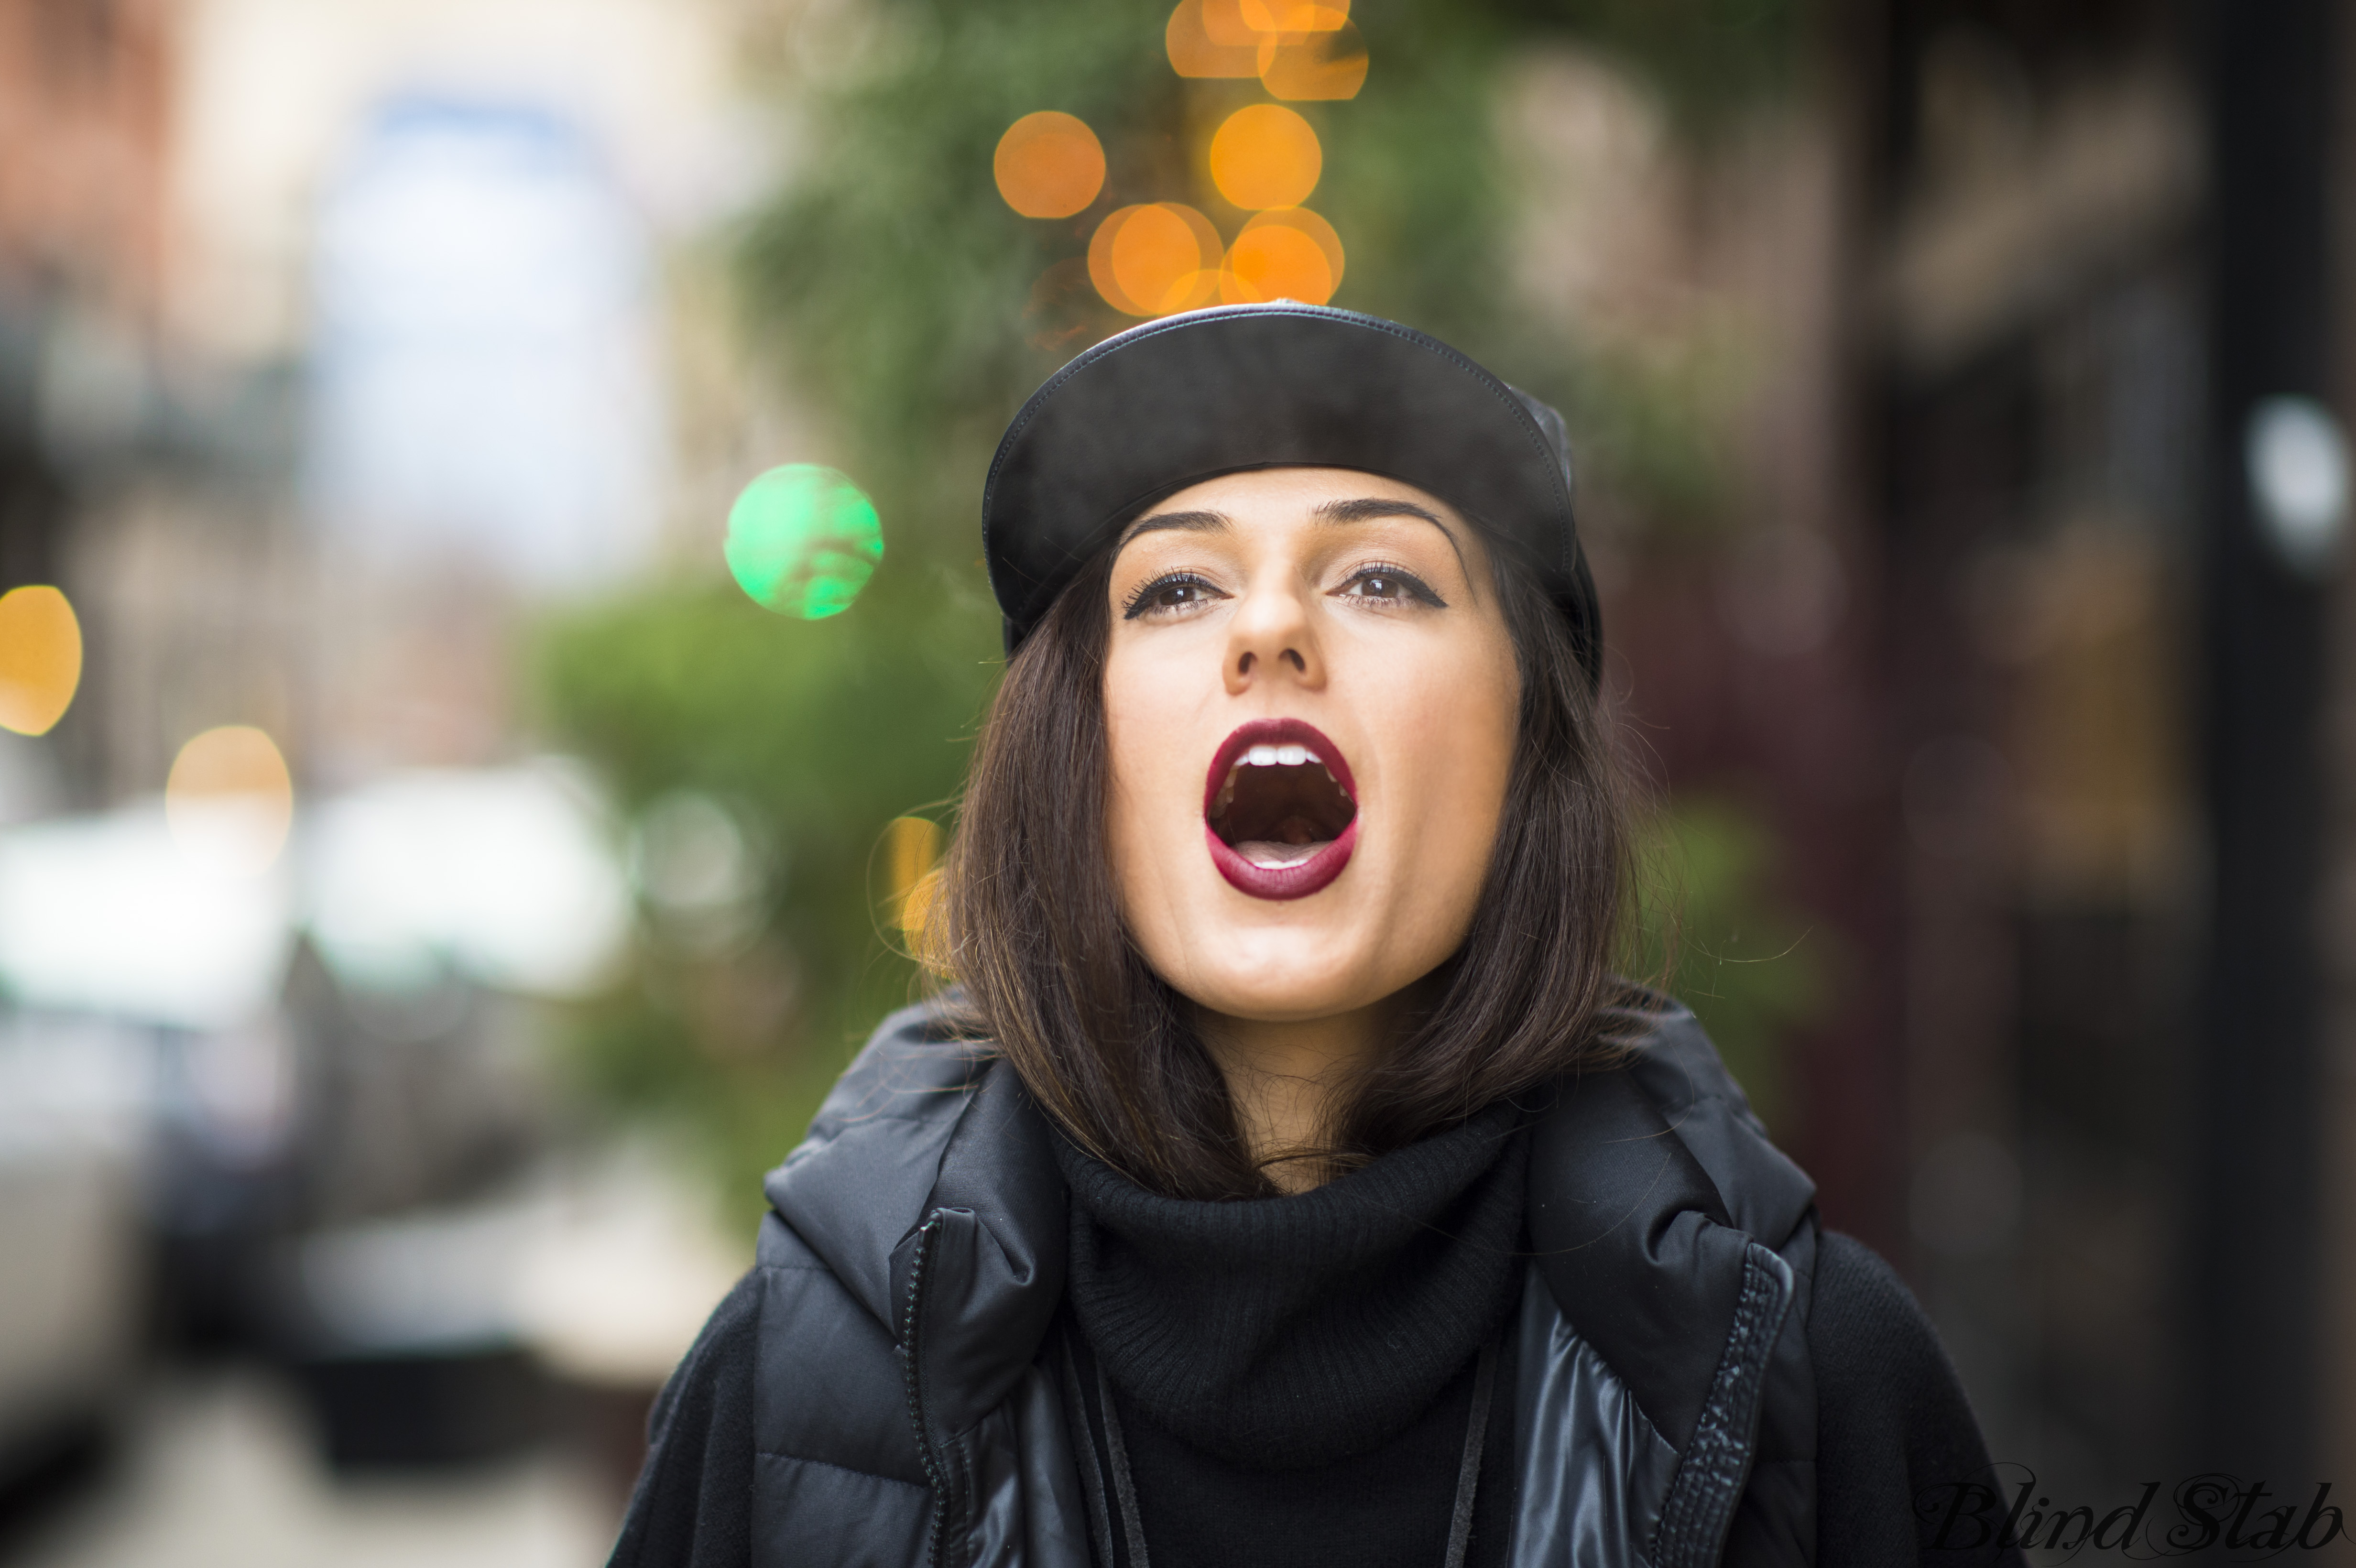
<point>1286,1332</point>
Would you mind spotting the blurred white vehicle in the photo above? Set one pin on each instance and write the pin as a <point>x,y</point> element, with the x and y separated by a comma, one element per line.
<point>201,1061</point>
<point>72,1291</point>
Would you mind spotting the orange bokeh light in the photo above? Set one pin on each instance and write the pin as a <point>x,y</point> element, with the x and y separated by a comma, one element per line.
<point>1292,254</point>
<point>1049,164</point>
<point>1224,25</point>
<point>1293,16</point>
<point>1266,156</point>
<point>1323,62</point>
<point>1151,260</point>
<point>1193,52</point>
<point>1289,253</point>
<point>40,658</point>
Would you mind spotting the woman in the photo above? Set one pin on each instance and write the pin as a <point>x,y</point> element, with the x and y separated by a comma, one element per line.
<point>1287,1178</point>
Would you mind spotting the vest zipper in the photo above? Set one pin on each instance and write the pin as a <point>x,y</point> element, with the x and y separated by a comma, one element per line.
<point>936,1470</point>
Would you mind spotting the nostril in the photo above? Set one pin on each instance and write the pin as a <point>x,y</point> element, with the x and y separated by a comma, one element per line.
<point>1293,654</point>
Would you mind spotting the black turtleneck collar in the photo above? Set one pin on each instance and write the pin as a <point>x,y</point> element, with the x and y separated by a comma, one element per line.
<point>1289,1332</point>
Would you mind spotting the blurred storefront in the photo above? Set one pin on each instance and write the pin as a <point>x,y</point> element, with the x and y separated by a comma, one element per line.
<point>2035,399</point>
<point>2028,645</point>
<point>2021,639</point>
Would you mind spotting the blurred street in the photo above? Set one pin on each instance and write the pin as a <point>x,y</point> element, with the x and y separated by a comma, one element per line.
<point>220,1469</point>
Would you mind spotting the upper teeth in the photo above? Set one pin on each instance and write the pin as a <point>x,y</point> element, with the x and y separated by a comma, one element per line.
<point>1290,756</point>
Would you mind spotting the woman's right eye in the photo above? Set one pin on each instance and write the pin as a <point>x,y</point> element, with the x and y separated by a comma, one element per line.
<point>1171,595</point>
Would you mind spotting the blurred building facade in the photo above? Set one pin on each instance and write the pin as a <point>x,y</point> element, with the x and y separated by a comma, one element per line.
<point>2043,694</point>
<point>213,216</point>
<point>2035,397</point>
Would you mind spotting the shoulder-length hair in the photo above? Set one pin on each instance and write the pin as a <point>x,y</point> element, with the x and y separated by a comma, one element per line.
<point>1028,922</point>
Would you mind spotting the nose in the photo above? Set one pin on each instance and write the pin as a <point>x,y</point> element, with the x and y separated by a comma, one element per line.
<point>1273,636</point>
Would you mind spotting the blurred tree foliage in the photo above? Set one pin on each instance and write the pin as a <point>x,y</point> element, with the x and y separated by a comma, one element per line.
<point>901,298</point>
<point>1710,921</point>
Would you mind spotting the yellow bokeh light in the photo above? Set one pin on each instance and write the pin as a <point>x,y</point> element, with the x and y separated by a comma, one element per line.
<point>1154,259</point>
<point>925,938</point>
<point>1293,16</point>
<point>1266,156</point>
<point>230,800</point>
<point>1049,164</point>
<point>1193,52</point>
<point>1290,253</point>
<point>40,658</point>
<point>1322,62</point>
<point>911,850</point>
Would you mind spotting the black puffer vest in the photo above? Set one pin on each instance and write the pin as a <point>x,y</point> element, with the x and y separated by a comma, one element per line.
<point>1664,1406</point>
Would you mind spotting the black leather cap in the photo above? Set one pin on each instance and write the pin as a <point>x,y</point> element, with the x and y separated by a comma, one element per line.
<point>1190,397</point>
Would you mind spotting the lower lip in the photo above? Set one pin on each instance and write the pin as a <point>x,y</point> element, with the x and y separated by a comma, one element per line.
<point>1295,881</point>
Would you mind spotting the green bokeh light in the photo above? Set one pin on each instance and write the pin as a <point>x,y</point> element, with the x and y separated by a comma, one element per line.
<point>803,540</point>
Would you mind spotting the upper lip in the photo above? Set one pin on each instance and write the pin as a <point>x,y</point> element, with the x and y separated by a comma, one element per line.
<point>1276,732</point>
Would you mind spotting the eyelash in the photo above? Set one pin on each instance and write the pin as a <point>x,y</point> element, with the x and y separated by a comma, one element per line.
<point>1141,602</point>
<point>1410,585</point>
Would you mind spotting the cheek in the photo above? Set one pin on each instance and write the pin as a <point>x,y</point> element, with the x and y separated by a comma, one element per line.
<point>1469,719</point>
<point>1144,767</point>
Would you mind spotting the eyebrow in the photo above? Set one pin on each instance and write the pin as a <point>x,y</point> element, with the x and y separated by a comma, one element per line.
<point>1186,522</point>
<point>1364,509</point>
<point>1369,506</point>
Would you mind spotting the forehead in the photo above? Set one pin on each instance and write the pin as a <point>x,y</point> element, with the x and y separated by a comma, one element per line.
<point>1272,494</point>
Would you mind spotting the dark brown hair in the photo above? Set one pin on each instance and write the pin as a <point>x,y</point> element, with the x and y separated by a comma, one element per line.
<point>1029,921</point>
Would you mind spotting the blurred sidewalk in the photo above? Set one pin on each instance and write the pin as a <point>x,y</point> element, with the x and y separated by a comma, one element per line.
<point>220,1470</point>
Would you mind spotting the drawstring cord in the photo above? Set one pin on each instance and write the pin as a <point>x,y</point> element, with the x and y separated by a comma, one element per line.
<point>1124,1489</point>
<point>1092,1479</point>
<point>1468,1474</point>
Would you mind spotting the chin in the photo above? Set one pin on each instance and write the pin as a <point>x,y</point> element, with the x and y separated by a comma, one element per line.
<point>1288,975</point>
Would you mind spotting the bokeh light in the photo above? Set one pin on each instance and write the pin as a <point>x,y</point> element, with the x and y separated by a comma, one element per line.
<point>1224,25</point>
<point>1293,16</point>
<point>1309,223</point>
<point>1154,259</point>
<point>1266,156</point>
<point>1287,253</point>
<point>912,848</point>
<point>230,801</point>
<point>1193,52</point>
<point>803,540</point>
<point>40,658</point>
<point>1323,62</point>
<point>1049,165</point>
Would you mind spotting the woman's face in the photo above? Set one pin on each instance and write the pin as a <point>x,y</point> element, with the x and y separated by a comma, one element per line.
<point>1311,700</point>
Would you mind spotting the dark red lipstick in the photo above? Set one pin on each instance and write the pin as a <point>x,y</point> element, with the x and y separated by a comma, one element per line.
<point>1277,785</point>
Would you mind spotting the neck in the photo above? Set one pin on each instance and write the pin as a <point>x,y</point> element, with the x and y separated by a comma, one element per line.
<point>1286,1079</point>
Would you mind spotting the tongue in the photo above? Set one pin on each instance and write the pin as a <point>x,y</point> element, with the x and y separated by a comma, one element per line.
<point>1276,857</point>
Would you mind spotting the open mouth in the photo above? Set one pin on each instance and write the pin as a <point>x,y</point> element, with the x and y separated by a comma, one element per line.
<point>1280,809</point>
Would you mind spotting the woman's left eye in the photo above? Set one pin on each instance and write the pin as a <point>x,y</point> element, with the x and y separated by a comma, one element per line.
<point>1390,584</point>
